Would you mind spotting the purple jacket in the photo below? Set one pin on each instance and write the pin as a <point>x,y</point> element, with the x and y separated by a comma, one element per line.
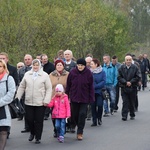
<point>80,86</point>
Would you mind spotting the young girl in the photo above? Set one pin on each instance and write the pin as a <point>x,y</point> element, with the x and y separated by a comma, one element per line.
<point>61,111</point>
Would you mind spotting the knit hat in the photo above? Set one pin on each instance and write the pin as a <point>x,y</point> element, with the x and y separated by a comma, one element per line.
<point>59,87</point>
<point>59,61</point>
<point>81,61</point>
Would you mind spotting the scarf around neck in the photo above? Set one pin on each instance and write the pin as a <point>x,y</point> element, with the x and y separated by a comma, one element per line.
<point>96,70</point>
<point>2,75</point>
<point>35,75</point>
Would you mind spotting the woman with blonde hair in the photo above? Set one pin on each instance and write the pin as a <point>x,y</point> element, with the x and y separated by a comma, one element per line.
<point>6,97</point>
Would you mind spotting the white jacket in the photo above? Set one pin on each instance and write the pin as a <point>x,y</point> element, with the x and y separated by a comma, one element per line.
<point>37,91</point>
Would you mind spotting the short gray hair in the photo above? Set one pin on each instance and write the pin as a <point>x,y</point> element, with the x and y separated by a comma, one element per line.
<point>68,51</point>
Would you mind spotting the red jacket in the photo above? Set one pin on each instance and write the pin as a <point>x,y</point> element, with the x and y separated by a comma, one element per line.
<point>61,106</point>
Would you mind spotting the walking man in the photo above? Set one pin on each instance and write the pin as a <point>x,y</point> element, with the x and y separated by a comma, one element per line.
<point>128,76</point>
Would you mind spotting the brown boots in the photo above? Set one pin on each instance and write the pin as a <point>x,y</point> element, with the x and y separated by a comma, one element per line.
<point>79,137</point>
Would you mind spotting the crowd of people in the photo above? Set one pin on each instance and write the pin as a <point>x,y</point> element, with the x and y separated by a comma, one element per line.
<point>70,91</point>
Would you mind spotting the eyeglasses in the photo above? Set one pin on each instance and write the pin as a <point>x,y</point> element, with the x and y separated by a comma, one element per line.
<point>26,59</point>
<point>19,66</point>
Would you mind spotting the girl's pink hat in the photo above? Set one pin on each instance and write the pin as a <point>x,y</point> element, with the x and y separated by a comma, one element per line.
<point>59,87</point>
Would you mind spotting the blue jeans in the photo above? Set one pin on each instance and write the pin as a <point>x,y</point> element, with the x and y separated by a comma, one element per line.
<point>60,125</point>
<point>112,92</point>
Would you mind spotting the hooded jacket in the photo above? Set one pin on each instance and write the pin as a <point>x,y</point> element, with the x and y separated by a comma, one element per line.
<point>61,106</point>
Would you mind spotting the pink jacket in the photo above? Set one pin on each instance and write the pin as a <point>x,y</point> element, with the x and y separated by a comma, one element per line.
<point>61,106</point>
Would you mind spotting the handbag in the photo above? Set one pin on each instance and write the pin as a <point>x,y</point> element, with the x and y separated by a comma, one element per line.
<point>105,94</point>
<point>15,107</point>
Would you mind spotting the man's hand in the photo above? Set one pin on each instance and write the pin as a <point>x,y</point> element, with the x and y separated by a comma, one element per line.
<point>128,84</point>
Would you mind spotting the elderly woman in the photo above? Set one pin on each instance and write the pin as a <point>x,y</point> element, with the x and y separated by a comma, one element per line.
<point>37,87</point>
<point>6,96</point>
<point>58,76</point>
<point>81,92</point>
<point>99,77</point>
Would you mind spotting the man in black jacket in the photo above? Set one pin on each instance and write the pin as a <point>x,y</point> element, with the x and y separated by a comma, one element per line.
<point>128,76</point>
<point>148,67</point>
<point>27,61</point>
<point>144,69</point>
<point>48,67</point>
<point>12,70</point>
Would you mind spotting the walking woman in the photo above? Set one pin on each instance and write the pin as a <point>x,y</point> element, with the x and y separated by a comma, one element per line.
<point>37,87</point>
<point>58,76</point>
<point>99,83</point>
<point>81,92</point>
<point>6,97</point>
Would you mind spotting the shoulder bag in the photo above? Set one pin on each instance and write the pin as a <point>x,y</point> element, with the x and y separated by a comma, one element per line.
<point>15,107</point>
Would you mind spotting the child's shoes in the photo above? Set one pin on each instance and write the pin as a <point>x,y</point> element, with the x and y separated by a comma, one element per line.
<point>61,139</point>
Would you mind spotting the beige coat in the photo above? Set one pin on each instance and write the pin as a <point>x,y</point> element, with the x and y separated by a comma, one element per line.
<point>37,91</point>
<point>58,79</point>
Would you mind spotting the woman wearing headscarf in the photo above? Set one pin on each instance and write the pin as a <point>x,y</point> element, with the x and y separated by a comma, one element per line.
<point>37,87</point>
<point>6,96</point>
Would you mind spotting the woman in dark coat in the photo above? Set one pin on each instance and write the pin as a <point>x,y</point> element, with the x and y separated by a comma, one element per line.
<point>99,83</point>
<point>81,92</point>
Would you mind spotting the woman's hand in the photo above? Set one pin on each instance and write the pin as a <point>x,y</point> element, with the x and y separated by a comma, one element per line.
<point>45,104</point>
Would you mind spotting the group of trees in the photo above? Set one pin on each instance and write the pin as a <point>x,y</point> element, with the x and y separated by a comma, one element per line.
<point>83,26</point>
<point>138,11</point>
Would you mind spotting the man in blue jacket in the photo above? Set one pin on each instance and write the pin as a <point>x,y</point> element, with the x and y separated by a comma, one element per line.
<point>111,82</point>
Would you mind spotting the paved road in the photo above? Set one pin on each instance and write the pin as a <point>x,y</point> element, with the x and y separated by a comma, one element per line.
<point>114,134</point>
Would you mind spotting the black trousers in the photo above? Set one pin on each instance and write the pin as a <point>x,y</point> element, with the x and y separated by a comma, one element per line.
<point>26,126</point>
<point>47,112</point>
<point>97,108</point>
<point>35,119</point>
<point>128,102</point>
<point>117,96</point>
<point>79,111</point>
<point>143,79</point>
<point>136,100</point>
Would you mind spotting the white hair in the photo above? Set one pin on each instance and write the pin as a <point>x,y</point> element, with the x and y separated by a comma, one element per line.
<point>88,58</point>
<point>68,51</point>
